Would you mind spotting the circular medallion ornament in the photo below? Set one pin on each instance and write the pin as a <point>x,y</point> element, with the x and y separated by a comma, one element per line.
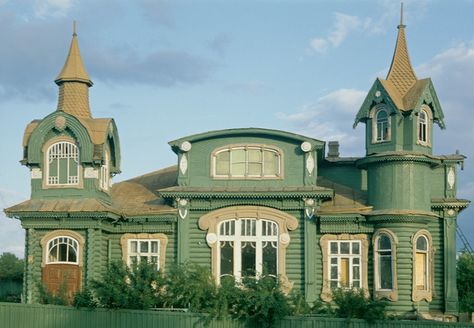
<point>306,146</point>
<point>378,93</point>
<point>451,212</point>
<point>309,202</point>
<point>211,238</point>
<point>285,238</point>
<point>183,202</point>
<point>60,123</point>
<point>185,146</point>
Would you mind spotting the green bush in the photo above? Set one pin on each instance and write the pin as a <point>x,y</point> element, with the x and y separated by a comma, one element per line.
<point>84,299</point>
<point>352,303</point>
<point>465,281</point>
<point>11,267</point>
<point>57,298</point>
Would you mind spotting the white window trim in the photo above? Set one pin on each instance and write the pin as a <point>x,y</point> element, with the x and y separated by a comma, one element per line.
<point>373,116</point>
<point>163,241</point>
<point>390,294</point>
<point>426,294</point>
<point>105,172</point>
<point>428,114</point>
<point>75,157</point>
<point>238,239</point>
<point>139,254</point>
<point>261,147</point>
<point>326,293</point>
<point>351,264</point>
<point>65,234</point>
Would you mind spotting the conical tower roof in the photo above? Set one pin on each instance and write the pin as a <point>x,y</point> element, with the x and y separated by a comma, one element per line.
<point>73,70</point>
<point>401,73</point>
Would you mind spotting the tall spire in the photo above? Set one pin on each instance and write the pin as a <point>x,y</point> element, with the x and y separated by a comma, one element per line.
<point>74,83</point>
<point>401,72</point>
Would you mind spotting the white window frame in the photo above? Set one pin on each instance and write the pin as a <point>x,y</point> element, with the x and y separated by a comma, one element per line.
<point>105,173</point>
<point>56,151</point>
<point>375,126</point>
<point>426,292</point>
<point>139,254</point>
<point>390,294</point>
<point>253,234</point>
<point>69,242</point>
<point>246,175</point>
<point>339,256</point>
<point>423,126</point>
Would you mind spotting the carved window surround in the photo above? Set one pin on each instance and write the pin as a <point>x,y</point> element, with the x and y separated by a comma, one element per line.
<point>163,239</point>
<point>427,293</point>
<point>392,294</point>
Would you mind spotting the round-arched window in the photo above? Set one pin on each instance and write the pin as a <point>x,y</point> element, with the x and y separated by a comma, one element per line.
<point>63,250</point>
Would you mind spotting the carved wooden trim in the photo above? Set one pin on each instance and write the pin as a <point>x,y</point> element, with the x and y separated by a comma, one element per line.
<point>160,236</point>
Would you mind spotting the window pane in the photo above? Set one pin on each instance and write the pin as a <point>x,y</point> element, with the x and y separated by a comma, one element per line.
<point>344,272</point>
<point>53,254</point>
<point>144,247</point>
<point>223,163</point>
<point>255,155</point>
<point>133,260</point>
<point>270,159</point>
<point>63,177</point>
<point>421,244</point>
<point>248,259</point>
<point>62,253</point>
<point>238,155</point>
<point>269,258</point>
<point>384,243</point>
<point>355,248</point>
<point>154,247</point>
<point>333,284</point>
<point>334,260</point>
<point>133,246</point>
<point>333,248</point>
<point>385,272</point>
<point>356,272</point>
<point>144,259</point>
<point>356,284</point>
<point>238,169</point>
<point>420,271</point>
<point>345,247</point>
<point>227,258</point>
<point>333,272</point>
<point>255,169</point>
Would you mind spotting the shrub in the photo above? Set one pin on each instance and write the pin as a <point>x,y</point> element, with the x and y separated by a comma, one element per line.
<point>352,303</point>
<point>465,281</point>
<point>84,299</point>
<point>56,298</point>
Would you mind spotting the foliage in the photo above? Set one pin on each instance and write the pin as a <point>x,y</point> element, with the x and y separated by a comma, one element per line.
<point>84,299</point>
<point>189,286</point>
<point>465,281</point>
<point>11,267</point>
<point>57,298</point>
<point>122,287</point>
<point>352,303</point>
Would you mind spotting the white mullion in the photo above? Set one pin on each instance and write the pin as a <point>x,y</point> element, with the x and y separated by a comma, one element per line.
<point>237,252</point>
<point>258,248</point>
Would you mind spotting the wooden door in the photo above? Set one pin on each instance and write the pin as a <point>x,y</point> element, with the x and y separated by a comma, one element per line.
<point>57,276</point>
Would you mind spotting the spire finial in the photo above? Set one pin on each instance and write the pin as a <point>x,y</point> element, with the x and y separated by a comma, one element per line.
<point>74,29</point>
<point>401,16</point>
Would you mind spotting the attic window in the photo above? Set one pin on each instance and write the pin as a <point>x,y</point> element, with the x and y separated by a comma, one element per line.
<point>246,161</point>
<point>62,163</point>
<point>380,124</point>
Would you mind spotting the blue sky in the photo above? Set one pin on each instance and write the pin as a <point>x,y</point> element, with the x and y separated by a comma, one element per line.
<point>167,69</point>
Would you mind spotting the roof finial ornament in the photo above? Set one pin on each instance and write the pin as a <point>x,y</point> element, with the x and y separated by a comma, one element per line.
<point>74,29</point>
<point>401,16</point>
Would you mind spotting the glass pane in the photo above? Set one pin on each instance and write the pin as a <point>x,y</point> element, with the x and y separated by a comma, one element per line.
<point>223,163</point>
<point>270,159</point>
<point>144,259</point>
<point>255,169</point>
<point>344,272</point>
<point>334,260</point>
<point>154,259</point>
<point>384,242</point>
<point>227,258</point>
<point>381,116</point>
<point>248,259</point>
<point>345,247</point>
<point>248,227</point>
<point>269,258</point>
<point>154,247</point>
<point>356,272</point>
<point>333,272</point>
<point>356,261</point>
<point>255,155</point>
<point>385,272</point>
<point>420,271</point>
<point>333,284</point>
<point>144,247</point>
<point>133,260</point>
<point>62,252</point>
<point>333,248</point>
<point>238,169</point>
<point>62,162</point>
<point>355,248</point>
<point>238,155</point>
<point>421,244</point>
<point>133,246</point>
<point>53,254</point>
<point>72,255</point>
<point>356,284</point>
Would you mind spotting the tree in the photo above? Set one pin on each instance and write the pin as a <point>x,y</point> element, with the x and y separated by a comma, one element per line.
<point>11,267</point>
<point>465,282</point>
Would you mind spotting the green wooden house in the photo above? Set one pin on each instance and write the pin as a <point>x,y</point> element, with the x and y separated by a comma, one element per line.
<point>253,201</point>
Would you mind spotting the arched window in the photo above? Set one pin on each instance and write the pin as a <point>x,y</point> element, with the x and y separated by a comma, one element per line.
<point>382,125</point>
<point>62,250</point>
<point>247,247</point>
<point>421,263</point>
<point>423,126</point>
<point>385,264</point>
<point>246,161</point>
<point>62,164</point>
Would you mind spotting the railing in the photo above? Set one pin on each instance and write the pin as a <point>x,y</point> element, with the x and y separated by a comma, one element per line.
<point>52,316</point>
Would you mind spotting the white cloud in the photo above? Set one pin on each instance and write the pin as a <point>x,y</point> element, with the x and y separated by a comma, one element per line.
<point>342,27</point>
<point>53,8</point>
<point>11,233</point>
<point>330,118</point>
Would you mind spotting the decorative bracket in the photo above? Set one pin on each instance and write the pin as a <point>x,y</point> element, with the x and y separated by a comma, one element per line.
<point>310,206</point>
<point>183,207</point>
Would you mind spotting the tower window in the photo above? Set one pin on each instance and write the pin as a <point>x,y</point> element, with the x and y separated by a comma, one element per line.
<point>62,162</point>
<point>422,266</point>
<point>423,127</point>
<point>382,125</point>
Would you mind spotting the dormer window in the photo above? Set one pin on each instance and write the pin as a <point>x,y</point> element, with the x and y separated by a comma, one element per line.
<point>62,164</point>
<point>423,126</point>
<point>246,161</point>
<point>380,124</point>
<point>105,173</point>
